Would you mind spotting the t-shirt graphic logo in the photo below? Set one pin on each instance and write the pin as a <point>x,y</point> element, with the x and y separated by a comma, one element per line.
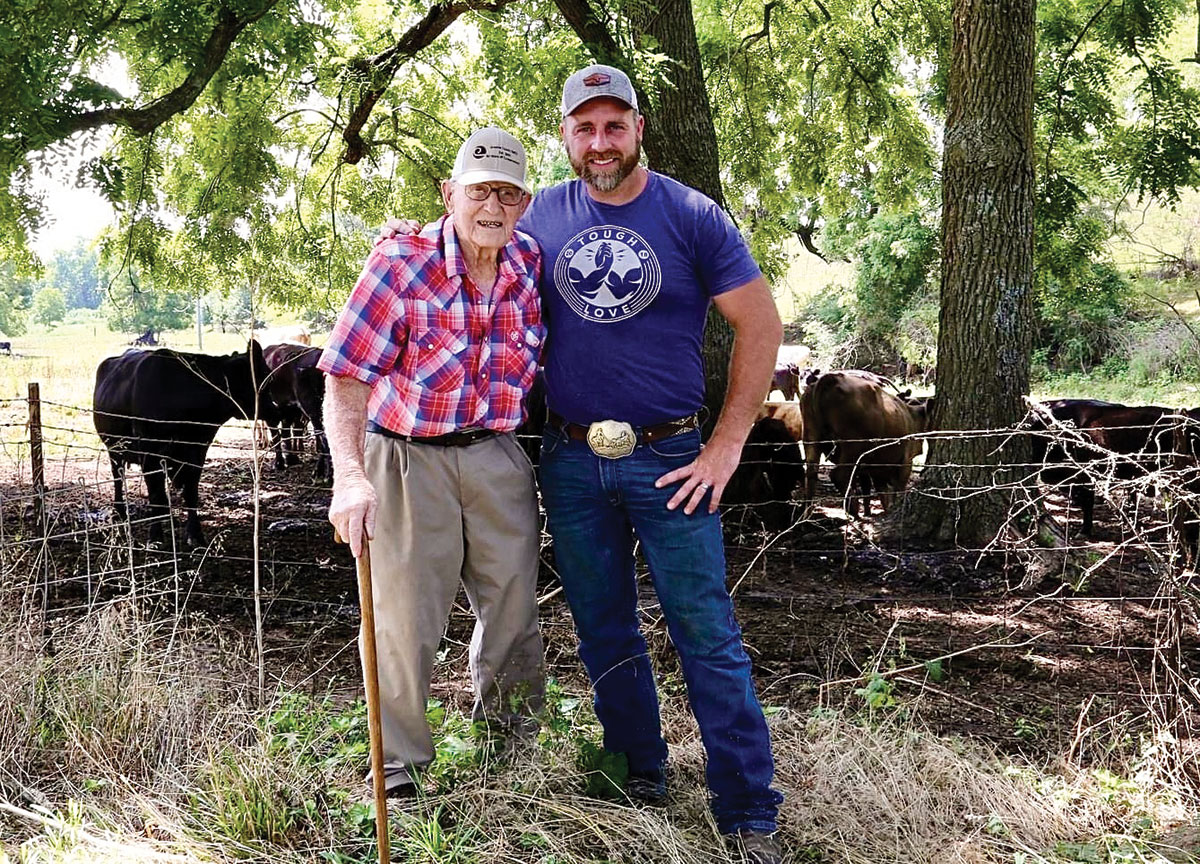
<point>607,273</point>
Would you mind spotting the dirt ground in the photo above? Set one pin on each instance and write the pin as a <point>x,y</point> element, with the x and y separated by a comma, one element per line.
<point>1025,666</point>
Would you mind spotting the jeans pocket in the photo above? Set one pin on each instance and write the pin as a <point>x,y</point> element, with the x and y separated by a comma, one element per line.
<point>552,439</point>
<point>684,446</point>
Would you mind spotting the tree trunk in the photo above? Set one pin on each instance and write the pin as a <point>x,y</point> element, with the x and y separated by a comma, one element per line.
<point>681,142</point>
<point>987,276</point>
<point>680,138</point>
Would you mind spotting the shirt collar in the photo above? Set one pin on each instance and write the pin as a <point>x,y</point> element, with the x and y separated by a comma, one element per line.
<point>510,266</point>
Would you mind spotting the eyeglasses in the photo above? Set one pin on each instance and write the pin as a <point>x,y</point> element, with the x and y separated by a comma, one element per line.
<point>509,195</point>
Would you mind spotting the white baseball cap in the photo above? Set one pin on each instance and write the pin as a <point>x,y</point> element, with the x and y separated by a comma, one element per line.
<point>490,154</point>
<point>595,81</point>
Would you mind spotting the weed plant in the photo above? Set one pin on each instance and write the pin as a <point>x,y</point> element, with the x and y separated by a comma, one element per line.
<point>128,739</point>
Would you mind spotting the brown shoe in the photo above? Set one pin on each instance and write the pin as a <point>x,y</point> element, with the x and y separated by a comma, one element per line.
<point>758,847</point>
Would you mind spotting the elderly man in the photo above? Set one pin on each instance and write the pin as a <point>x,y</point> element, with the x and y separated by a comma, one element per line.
<point>429,363</point>
<point>633,260</point>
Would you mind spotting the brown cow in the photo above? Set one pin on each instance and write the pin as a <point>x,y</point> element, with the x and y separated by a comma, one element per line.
<point>787,413</point>
<point>289,334</point>
<point>868,433</point>
<point>786,380</point>
<point>789,365</point>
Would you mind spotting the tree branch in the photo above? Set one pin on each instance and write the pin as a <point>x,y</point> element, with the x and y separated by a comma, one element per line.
<point>144,120</point>
<point>804,234</point>
<point>1182,318</point>
<point>1196,59</point>
<point>379,70</point>
<point>766,28</point>
<point>590,29</point>
<point>869,82</point>
<point>1062,68</point>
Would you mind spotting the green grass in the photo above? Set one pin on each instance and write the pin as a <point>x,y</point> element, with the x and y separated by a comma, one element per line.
<point>806,276</point>
<point>1174,394</point>
<point>1159,358</point>
<point>154,756</point>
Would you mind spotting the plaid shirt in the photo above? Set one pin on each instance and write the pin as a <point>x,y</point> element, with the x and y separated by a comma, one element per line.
<point>438,354</point>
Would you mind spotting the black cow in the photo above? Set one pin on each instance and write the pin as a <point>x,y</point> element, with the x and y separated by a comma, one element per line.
<point>297,387</point>
<point>529,433</point>
<point>145,339</point>
<point>1122,441</point>
<point>6,347</point>
<point>770,469</point>
<point>161,410</point>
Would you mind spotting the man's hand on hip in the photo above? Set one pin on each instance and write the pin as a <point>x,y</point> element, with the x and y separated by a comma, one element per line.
<point>352,511</point>
<point>708,474</point>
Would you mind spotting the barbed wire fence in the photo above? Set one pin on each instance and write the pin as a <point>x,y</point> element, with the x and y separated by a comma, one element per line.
<point>63,553</point>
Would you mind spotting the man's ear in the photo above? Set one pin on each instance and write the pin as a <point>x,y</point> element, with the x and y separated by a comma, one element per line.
<point>448,194</point>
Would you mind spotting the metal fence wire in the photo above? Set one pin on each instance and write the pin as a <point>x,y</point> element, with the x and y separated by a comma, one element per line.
<point>826,601</point>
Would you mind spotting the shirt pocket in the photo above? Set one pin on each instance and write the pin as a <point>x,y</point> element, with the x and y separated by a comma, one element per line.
<point>522,347</point>
<point>437,358</point>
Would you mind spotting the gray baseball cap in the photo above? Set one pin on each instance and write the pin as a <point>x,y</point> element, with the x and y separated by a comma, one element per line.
<point>490,154</point>
<point>595,81</point>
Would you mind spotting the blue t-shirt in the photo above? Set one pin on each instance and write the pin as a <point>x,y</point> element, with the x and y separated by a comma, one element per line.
<point>625,291</point>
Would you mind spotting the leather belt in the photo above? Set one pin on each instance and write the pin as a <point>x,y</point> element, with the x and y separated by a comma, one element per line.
<point>645,434</point>
<point>461,438</point>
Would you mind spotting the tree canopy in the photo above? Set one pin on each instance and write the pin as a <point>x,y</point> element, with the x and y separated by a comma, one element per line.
<point>255,141</point>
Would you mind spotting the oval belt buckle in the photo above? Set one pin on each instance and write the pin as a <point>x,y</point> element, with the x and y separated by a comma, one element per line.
<point>611,439</point>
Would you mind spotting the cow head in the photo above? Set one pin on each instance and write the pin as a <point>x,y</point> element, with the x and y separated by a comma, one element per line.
<point>921,408</point>
<point>246,376</point>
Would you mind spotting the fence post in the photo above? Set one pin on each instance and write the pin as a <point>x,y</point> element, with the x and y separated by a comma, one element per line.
<point>35,455</point>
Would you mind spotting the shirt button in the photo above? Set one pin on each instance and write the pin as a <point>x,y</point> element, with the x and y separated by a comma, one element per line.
<point>484,374</point>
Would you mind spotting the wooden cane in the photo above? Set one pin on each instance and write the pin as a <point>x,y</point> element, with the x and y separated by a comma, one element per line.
<point>366,601</point>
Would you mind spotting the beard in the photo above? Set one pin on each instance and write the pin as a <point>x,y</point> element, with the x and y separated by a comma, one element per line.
<point>607,181</point>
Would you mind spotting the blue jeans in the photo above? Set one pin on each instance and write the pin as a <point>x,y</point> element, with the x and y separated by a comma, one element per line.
<point>594,507</point>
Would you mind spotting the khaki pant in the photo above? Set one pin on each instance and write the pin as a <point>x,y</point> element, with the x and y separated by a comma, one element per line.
<point>451,514</point>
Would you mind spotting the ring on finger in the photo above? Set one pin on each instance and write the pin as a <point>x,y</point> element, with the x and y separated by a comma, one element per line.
<point>703,486</point>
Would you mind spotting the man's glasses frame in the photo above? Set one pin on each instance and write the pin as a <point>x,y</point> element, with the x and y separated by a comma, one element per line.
<point>509,195</point>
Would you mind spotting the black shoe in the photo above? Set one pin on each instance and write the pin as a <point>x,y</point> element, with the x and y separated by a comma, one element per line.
<point>758,847</point>
<point>648,789</point>
<point>403,791</point>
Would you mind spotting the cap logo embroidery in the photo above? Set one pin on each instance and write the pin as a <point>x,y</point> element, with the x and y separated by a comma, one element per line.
<point>480,152</point>
<point>596,79</point>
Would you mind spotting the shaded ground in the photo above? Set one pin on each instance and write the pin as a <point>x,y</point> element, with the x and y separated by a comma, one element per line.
<point>820,606</point>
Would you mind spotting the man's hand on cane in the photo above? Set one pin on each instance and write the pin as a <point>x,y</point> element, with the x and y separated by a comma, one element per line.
<point>352,511</point>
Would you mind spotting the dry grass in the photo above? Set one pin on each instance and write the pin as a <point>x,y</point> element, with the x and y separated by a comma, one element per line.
<point>139,741</point>
<point>126,738</point>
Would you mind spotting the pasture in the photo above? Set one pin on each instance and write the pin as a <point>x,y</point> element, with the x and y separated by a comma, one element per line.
<point>975,705</point>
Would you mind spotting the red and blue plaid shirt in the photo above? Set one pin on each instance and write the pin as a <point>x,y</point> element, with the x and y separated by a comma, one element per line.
<point>439,354</point>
